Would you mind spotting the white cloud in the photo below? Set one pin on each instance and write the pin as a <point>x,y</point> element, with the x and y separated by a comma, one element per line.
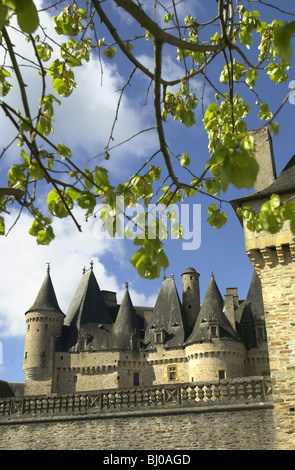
<point>23,265</point>
<point>84,120</point>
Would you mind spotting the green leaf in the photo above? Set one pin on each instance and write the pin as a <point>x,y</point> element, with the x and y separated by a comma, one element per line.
<point>184,159</point>
<point>27,16</point>
<point>2,226</point>
<point>36,171</point>
<point>64,151</point>
<point>240,169</point>
<point>87,201</point>
<point>217,219</point>
<point>270,216</point>
<point>282,40</point>
<point>56,205</point>
<point>101,177</point>
<point>264,112</point>
<point>274,128</point>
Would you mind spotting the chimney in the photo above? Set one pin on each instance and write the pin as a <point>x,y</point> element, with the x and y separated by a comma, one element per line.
<point>265,157</point>
<point>231,302</point>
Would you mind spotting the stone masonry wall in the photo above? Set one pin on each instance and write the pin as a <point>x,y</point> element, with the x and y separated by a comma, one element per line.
<point>228,428</point>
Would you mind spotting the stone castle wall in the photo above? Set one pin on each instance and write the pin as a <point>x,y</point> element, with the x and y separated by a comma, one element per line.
<point>220,415</point>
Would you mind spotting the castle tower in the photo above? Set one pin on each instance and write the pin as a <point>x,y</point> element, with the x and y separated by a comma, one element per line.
<point>273,256</point>
<point>190,296</point>
<point>126,330</point>
<point>167,325</point>
<point>44,322</point>
<point>87,311</point>
<point>214,347</point>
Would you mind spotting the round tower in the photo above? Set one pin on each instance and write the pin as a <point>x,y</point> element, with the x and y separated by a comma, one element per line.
<point>44,322</point>
<point>190,296</point>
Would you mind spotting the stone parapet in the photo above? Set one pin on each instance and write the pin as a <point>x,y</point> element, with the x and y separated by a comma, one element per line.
<point>239,392</point>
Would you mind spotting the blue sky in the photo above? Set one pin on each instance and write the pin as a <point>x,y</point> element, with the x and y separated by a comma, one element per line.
<point>84,123</point>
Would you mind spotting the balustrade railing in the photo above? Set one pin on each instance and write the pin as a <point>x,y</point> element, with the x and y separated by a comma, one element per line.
<point>232,391</point>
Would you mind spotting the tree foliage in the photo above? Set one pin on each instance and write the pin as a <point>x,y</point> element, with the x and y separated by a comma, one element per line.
<point>222,43</point>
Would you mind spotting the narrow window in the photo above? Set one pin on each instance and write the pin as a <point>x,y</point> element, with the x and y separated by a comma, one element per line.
<point>221,374</point>
<point>136,378</point>
<point>213,331</point>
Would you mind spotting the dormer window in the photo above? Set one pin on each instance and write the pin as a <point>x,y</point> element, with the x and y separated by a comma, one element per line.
<point>159,338</point>
<point>159,334</point>
<point>214,331</point>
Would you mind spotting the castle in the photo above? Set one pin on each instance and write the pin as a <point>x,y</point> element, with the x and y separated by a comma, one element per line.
<point>99,344</point>
<point>171,361</point>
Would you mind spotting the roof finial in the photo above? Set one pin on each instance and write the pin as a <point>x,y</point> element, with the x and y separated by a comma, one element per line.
<point>91,265</point>
<point>84,270</point>
<point>126,285</point>
<point>164,274</point>
<point>172,275</point>
<point>212,275</point>
<point>48,267</point>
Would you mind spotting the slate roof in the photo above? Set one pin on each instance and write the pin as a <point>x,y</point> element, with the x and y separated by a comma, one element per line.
<point>168,313</point>
<point>211,314</point>
<point>46,298</point>
<point>88,305</point>
<point>284,183</point>
<point>89,314</point>
<point>126,325</point>
<point>5,390</point>
<point>249,312</point>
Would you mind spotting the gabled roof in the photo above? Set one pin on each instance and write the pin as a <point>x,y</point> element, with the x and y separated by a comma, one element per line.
<point>126,326</point>
<point>169,314</point>
<point>46,298</point>
<point>211,314</point>
<point>88,305</point>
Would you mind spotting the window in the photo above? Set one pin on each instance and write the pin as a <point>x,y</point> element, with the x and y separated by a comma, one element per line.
<point>260,333</point>
<point>172,372</point>
<point>136,378</point>
<point>213,331</point>
<point>26,355</point>
<point>221,374</point>
<point>159,338</point>
<point>43,355</point>
<point>81,345</point>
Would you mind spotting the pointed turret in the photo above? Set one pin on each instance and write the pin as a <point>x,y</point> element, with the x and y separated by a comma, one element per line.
<point>46,298</point>
<point>211,322</point>
<point>88,321</point>
<point>167,324</point>
<point>126,330</point>
<point>250,315</point>
<point>88,305</point>
<point>44,323</point>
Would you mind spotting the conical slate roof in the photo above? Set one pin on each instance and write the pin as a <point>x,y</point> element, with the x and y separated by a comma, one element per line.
<point>169,314</point>
<point>88,305</point>
<point>249,311</point>
<point>46,298</point>
<point>211,314</point>
<point>126,326</point>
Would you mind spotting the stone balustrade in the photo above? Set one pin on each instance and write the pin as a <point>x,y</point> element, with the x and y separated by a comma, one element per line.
<point>197,394</point>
